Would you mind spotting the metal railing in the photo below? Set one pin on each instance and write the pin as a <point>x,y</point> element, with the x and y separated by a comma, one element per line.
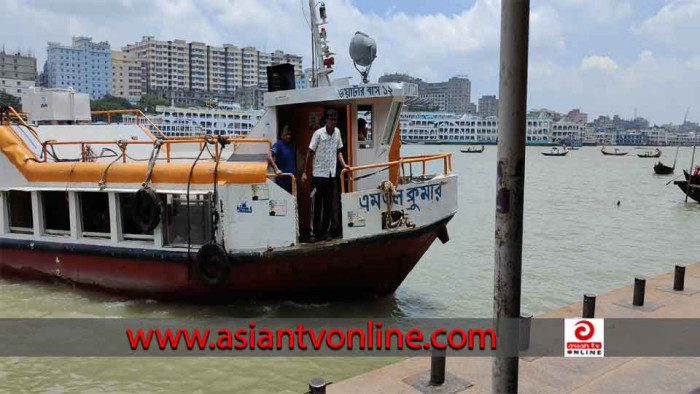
<point>286,174</point>
<point>123,144</point>
<point>446,157</point>
<point>138,113</point>
<point>12,113</point>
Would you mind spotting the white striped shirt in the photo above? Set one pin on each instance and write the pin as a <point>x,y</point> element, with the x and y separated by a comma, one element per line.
<point>326,148</point>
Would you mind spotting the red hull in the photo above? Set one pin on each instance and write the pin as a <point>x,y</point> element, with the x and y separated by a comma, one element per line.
<point>344,269</point>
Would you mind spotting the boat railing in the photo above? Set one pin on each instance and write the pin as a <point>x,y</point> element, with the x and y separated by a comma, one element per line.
<point>286,174</point>
<point>123,144</point>
<point>445,157</point>
<point>139,114</point>
<point>12,113</point>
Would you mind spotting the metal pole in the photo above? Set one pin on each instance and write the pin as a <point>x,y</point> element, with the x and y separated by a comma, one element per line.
<point>525,324</point>
<point>690,171</point>
<point>515,20</point>
<point>437,367</point>
<point>588,306</point>
<point>679,278</point>
<point>638,298</point>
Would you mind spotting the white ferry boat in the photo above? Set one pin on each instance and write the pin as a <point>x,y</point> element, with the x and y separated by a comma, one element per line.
<point>446,128</point>
<point>183,122</point>
<point>124,209</point>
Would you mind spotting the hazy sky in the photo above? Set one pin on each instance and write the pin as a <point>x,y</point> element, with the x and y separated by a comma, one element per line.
<point>603,56</point>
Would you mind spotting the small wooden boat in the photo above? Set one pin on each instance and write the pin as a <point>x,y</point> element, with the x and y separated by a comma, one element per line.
<point>695,179</point>
<point>650,154</point>
<point>470,150</point>
<point>616,152</point>
<point>661,169</point>
<point>693,192</point>
<point>556,152</point>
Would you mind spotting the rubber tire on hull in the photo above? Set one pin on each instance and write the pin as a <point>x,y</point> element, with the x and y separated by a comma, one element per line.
<point>147,210</point>
<point>212,264</point>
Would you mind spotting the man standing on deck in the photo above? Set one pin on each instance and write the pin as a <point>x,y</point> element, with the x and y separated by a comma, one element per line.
<point>324,152</point>
<point>283,159</point>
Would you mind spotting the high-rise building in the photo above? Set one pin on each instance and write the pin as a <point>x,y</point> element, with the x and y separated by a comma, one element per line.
<point>17,72</point>
<point>577,116</point>
<point>453,96</point>
<point>459,94</point>
<point>198,67</point>
<point>488,106</point>
<point>126,76</point>
<point>84,66</point>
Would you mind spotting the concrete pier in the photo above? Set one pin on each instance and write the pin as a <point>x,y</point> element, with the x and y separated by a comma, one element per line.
<point>571,375</point>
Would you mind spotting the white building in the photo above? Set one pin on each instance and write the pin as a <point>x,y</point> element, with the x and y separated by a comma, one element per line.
<point>566,131</point>
<point>196,66</point>
<point>15,87</point>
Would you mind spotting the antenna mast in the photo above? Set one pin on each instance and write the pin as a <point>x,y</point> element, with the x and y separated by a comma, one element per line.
<point>322,57</point>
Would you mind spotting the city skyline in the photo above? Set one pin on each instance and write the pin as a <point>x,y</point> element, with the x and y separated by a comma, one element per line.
<point>605,57</point>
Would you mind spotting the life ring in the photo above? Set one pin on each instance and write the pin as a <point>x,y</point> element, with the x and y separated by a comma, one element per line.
<point>212,264</point>
<point>147,209</point>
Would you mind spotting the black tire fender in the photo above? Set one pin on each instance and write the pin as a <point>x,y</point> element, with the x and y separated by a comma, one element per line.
<point>212,265</point>
<point>147,209</point>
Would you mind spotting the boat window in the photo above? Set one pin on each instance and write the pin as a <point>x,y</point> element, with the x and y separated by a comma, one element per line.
<point>176,220</point>
<point>391,123</point>
<point>56,213</point>
<point>364,127</point>
<point>94,208</point>
<point>128,213</point>
<point>20,206</point>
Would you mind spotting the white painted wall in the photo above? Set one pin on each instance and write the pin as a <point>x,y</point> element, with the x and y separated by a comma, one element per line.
<point>254,228</point>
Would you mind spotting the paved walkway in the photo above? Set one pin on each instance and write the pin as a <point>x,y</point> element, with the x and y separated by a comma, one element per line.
<point>559,375</point>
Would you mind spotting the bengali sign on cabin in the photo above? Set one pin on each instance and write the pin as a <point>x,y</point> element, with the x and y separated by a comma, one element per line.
<point>414,197</point>
<point>365,91</point>
<point>420,204</point>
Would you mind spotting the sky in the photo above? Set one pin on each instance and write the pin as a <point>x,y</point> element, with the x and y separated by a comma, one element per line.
<point>605,57</point>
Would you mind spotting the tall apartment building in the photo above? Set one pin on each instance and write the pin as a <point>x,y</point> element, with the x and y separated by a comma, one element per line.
<point>577,116</point>
<point>126,76</point>
<point>198,67</point>
<point>85,66</point>
<point>453,96</point>
<point>17,72</point>
<point>459,94</point>
<point>488,106</point>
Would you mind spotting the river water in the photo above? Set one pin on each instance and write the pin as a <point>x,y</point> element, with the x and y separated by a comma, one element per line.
<point>577,240</point>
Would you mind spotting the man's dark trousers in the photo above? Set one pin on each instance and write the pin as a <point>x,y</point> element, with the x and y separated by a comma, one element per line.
<point>323,205</point>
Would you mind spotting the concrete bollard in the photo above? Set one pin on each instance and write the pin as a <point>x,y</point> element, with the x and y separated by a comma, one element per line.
<point>679,278</point>
<point>524,338</point>
<point>588,306</point>
<point>437,367</point>
<point>639,284</point>
<point>317,386</point>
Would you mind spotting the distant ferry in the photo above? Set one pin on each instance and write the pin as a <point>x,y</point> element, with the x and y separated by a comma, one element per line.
<point>447,128</point>
<point>183,122</point>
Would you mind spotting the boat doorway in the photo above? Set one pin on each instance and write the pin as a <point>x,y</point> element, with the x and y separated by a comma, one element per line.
<point>304,121</point>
